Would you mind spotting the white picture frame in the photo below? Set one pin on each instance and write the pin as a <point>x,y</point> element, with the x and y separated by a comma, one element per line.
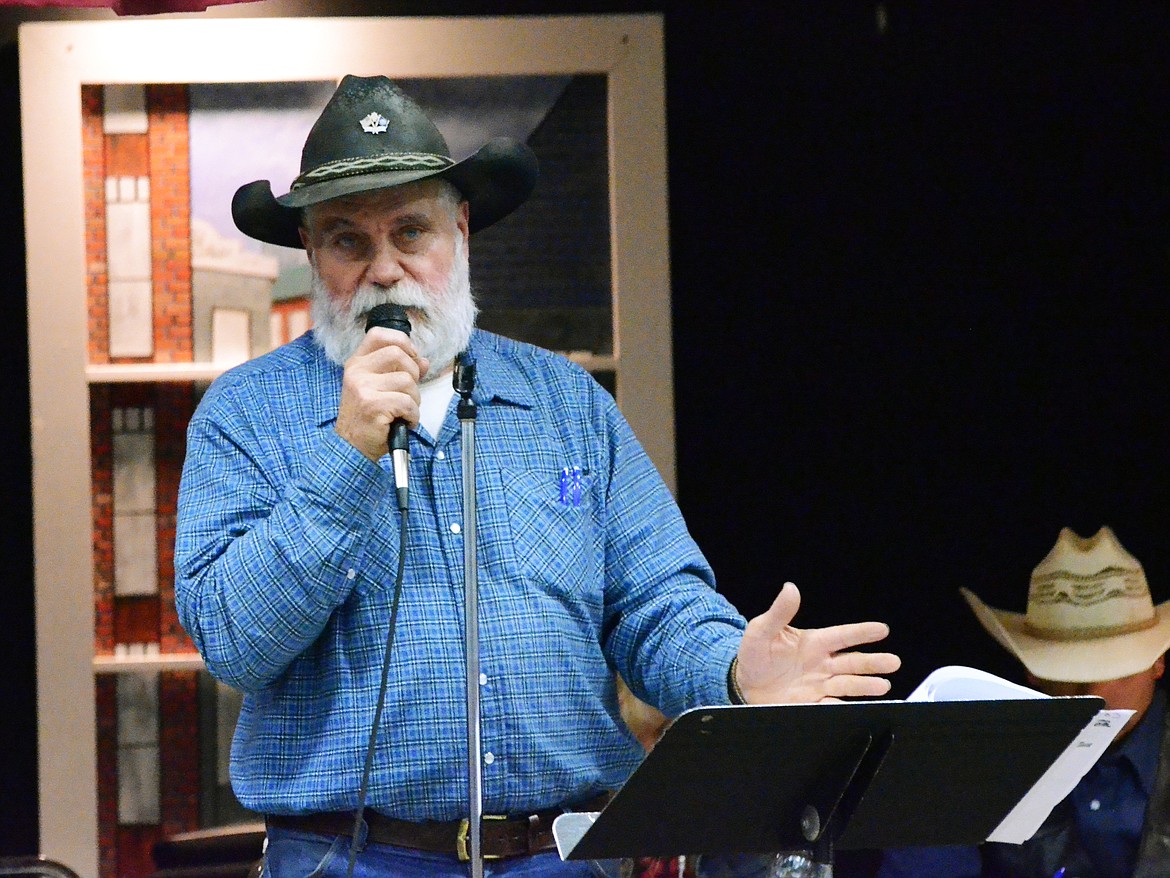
<point>58,58</point>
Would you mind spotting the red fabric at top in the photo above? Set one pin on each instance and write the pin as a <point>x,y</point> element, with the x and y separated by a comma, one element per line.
<point>127,7</point>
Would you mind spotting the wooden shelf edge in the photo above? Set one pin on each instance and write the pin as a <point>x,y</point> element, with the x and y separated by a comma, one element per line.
<point>592,362</point>
<point>178,661</point>
<point>114,373</point>
<point>118,373</point>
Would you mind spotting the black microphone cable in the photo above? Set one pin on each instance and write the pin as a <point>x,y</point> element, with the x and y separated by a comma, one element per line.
<point>392,317</point>
<point>369,764</point>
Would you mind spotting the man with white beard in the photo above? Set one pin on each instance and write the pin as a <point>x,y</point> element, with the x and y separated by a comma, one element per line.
<point>437,295</point>
<point>290,539</point>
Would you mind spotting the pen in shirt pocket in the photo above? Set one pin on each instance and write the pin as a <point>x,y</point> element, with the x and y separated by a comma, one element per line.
<point>572,485</point>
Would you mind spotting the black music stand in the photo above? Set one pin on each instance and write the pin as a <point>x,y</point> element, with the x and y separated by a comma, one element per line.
<point>821,777</point>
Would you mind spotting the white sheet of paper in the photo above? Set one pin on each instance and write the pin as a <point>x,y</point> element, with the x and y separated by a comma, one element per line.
<point>569,828</point>
<point>959,683</point>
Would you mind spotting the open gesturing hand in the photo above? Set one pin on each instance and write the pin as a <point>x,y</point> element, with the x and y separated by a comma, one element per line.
<point>780,664</point>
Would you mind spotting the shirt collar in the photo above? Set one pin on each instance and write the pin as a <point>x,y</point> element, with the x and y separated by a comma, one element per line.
<point>324,379</point>
<point>498,377</point>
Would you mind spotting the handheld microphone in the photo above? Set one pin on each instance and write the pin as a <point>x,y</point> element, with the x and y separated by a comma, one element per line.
<point>393,316</point>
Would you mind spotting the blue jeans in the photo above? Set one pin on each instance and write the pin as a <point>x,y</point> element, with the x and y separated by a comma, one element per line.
<point>292,853</point>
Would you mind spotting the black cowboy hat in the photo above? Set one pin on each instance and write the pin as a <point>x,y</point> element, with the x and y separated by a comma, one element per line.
<point>371,136</point>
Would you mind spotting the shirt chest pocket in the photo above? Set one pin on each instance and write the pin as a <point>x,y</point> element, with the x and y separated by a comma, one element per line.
<point>550,516</point>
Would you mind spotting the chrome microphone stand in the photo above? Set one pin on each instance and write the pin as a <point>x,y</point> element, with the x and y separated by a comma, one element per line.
<point>464,382</point>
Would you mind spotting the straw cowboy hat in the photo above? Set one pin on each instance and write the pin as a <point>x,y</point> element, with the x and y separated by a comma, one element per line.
<point>372,136</point>
<point>1090,616</point>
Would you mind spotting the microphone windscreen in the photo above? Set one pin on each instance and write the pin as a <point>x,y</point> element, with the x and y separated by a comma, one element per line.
<point>388,316</point>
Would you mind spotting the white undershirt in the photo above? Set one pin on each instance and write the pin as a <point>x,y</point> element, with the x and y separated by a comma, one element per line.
<point>434,398</point>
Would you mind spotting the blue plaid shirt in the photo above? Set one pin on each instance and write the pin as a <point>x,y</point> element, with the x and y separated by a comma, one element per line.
<point>285,559</point>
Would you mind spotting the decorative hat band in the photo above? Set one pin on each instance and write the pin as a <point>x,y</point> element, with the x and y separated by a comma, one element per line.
<point>391,161</point>
<point>1088,633</point>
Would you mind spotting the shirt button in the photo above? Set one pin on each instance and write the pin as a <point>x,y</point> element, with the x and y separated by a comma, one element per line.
<point>489,757</point>
<point>441,455</point>
<point>350,573</point>
<point>455,528</point>
<point>483,679</point>
<point>1095,805</point>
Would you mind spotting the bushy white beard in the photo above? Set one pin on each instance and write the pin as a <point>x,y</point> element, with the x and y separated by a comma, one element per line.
<point>440,325</point>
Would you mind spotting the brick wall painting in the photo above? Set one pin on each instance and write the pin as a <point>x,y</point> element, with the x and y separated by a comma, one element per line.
<point>132,816</point>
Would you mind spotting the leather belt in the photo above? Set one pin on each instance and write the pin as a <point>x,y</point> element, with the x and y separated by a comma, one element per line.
<point>501,836</point>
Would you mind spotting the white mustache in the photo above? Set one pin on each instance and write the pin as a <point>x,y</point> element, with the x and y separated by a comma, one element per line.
<point>406,294</point>
<point>409,297</point>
